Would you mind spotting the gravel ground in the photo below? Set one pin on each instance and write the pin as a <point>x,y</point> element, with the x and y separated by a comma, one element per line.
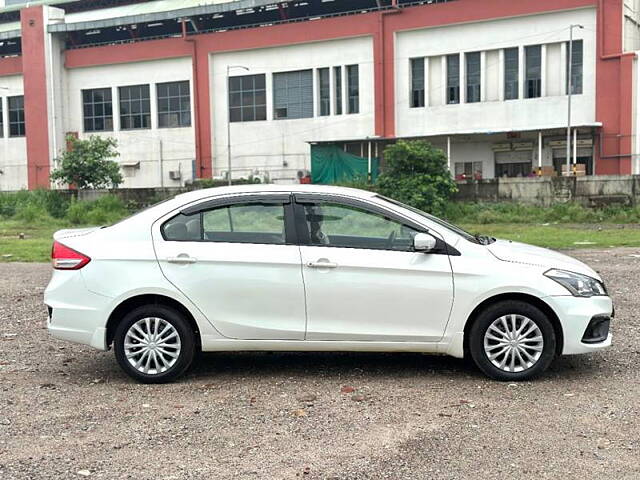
<point>67,411</point>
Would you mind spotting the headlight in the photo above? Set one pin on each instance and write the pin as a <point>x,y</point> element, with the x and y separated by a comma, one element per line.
<point>579,285</point>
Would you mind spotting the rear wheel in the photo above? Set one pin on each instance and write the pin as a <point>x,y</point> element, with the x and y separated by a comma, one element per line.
<point>154,344</point>
<point>512,340</point>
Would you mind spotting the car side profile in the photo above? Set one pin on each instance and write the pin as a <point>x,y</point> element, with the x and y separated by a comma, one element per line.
<point>316,268</point>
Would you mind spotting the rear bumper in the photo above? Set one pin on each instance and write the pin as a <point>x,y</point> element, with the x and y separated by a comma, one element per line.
<point>575,315</point>
<point>76,314</point>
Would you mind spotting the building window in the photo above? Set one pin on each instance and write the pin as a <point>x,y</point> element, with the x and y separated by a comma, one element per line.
<point>533,73</point>
<point>453,78</point>
<point>293,94</point>
<point>417,82</point>
<point>337,74</point>
<point>135,107</point>
<point>468,170</point>
<point>353,81</point>
<point>511,74</point>
<point>16,116</point>
<point>324,90</point>
<point>576,67</point>
<point>247,98</point>
<point>174,104</point>
<point>97,109</point>
<point>1,120</point>
<point>473,77</point>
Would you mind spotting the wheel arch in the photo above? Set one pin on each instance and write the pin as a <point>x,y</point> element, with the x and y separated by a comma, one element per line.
<point>149,299</point>
<point>523,297</point>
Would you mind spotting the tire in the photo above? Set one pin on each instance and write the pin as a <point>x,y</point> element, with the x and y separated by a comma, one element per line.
<point>489,336</point>
<point>170,344</point>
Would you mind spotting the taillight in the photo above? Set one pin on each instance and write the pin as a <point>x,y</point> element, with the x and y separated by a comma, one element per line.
<point>65,258</point>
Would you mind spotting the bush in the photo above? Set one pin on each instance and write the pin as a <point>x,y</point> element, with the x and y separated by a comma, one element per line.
<point>105,210</point>
<point>416,173</point>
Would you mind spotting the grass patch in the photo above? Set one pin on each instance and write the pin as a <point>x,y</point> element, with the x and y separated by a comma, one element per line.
<point>563,236</point>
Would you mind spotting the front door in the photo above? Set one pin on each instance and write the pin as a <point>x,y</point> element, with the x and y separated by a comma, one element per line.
<point>362,278</point>
<point>239,265</point>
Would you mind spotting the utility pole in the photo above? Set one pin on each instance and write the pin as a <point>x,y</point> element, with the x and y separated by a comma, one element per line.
<point>569,92</point>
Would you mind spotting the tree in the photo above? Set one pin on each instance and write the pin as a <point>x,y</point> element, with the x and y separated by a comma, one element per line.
<point>87,163</point>
<point>416,173</point>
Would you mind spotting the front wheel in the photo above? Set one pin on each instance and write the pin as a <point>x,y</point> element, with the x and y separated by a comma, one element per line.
<point>154,344</point>
<point>512,340</point>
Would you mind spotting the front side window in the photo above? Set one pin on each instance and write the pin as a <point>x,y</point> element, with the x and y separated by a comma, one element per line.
<point>338,225</point>
<point>135,107</point>
<point>453,79</point>
<point>174,104</point>
<point>239,223</point>
<point>293,95</point>
<point>417,82</point>
<point>247,98</point>
<point>576,66</point>
<point>533,73</point>
<point>324,91</point>
<point>353,87</point>
<point>97,110</point>
<point>16,116</point>
<point>511,74</point>
<point>473,77</point>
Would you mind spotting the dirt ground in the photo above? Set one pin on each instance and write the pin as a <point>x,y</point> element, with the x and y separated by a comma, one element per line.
<point>67,411</point>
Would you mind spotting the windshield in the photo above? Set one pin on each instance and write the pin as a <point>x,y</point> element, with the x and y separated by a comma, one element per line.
<point>452,228</point>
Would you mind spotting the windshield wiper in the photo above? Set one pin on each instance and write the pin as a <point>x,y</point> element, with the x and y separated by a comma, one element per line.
<point>484,239</point>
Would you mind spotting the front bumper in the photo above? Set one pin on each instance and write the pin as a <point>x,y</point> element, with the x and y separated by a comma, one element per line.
<point>576,315</point>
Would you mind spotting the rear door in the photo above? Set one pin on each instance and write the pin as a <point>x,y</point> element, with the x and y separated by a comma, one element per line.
<point>362,278</point>
<point>237,261</point>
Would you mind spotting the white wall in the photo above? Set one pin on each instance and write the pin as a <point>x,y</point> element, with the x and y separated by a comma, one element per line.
<point>13,150</point>
<point>488,116</point>
<point>176,146</point>
<point>280,145</point>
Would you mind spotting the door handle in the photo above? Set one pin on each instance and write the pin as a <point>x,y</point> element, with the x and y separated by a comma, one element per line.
<point>182,259</point>
<point>322,265</point>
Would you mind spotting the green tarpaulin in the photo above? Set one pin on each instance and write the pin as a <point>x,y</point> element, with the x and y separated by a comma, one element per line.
<point>330,164</point>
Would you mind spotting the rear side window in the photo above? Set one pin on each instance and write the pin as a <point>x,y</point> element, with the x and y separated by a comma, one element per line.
<point>183,228</point>
<point>241,223</point>
<point>248,223</point>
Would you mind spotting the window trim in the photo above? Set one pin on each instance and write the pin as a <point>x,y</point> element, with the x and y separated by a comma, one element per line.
<point>221,202</point>
<point>92,118</point>
<point>130,115</point>
<point>159,113</point>
<point>300,199</point>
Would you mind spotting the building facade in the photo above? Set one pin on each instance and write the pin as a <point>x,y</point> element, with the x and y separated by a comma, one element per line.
<point>257,84</point>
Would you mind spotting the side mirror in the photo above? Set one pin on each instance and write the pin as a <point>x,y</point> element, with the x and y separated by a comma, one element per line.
<point>423,242</point>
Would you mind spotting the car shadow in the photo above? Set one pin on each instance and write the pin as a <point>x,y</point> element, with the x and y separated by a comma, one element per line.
<point>335,366</point>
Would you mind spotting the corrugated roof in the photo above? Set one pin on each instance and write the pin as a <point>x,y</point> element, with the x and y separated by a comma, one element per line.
<point>150,12</point>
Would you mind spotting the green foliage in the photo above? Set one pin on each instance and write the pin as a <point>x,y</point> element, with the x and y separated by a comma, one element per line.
<point>359,182</point>
<point>46,202</point>
<point>103,211</point>
<point>87,164</point>
<point>416,173</point>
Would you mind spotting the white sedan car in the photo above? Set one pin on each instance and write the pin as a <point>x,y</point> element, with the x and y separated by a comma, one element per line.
<point>315,268</point>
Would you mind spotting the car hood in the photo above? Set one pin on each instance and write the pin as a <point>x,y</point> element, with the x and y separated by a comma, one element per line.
<point>516,252</point>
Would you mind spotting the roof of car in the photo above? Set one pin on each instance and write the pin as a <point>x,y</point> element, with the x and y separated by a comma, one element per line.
<point>257,188</point>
